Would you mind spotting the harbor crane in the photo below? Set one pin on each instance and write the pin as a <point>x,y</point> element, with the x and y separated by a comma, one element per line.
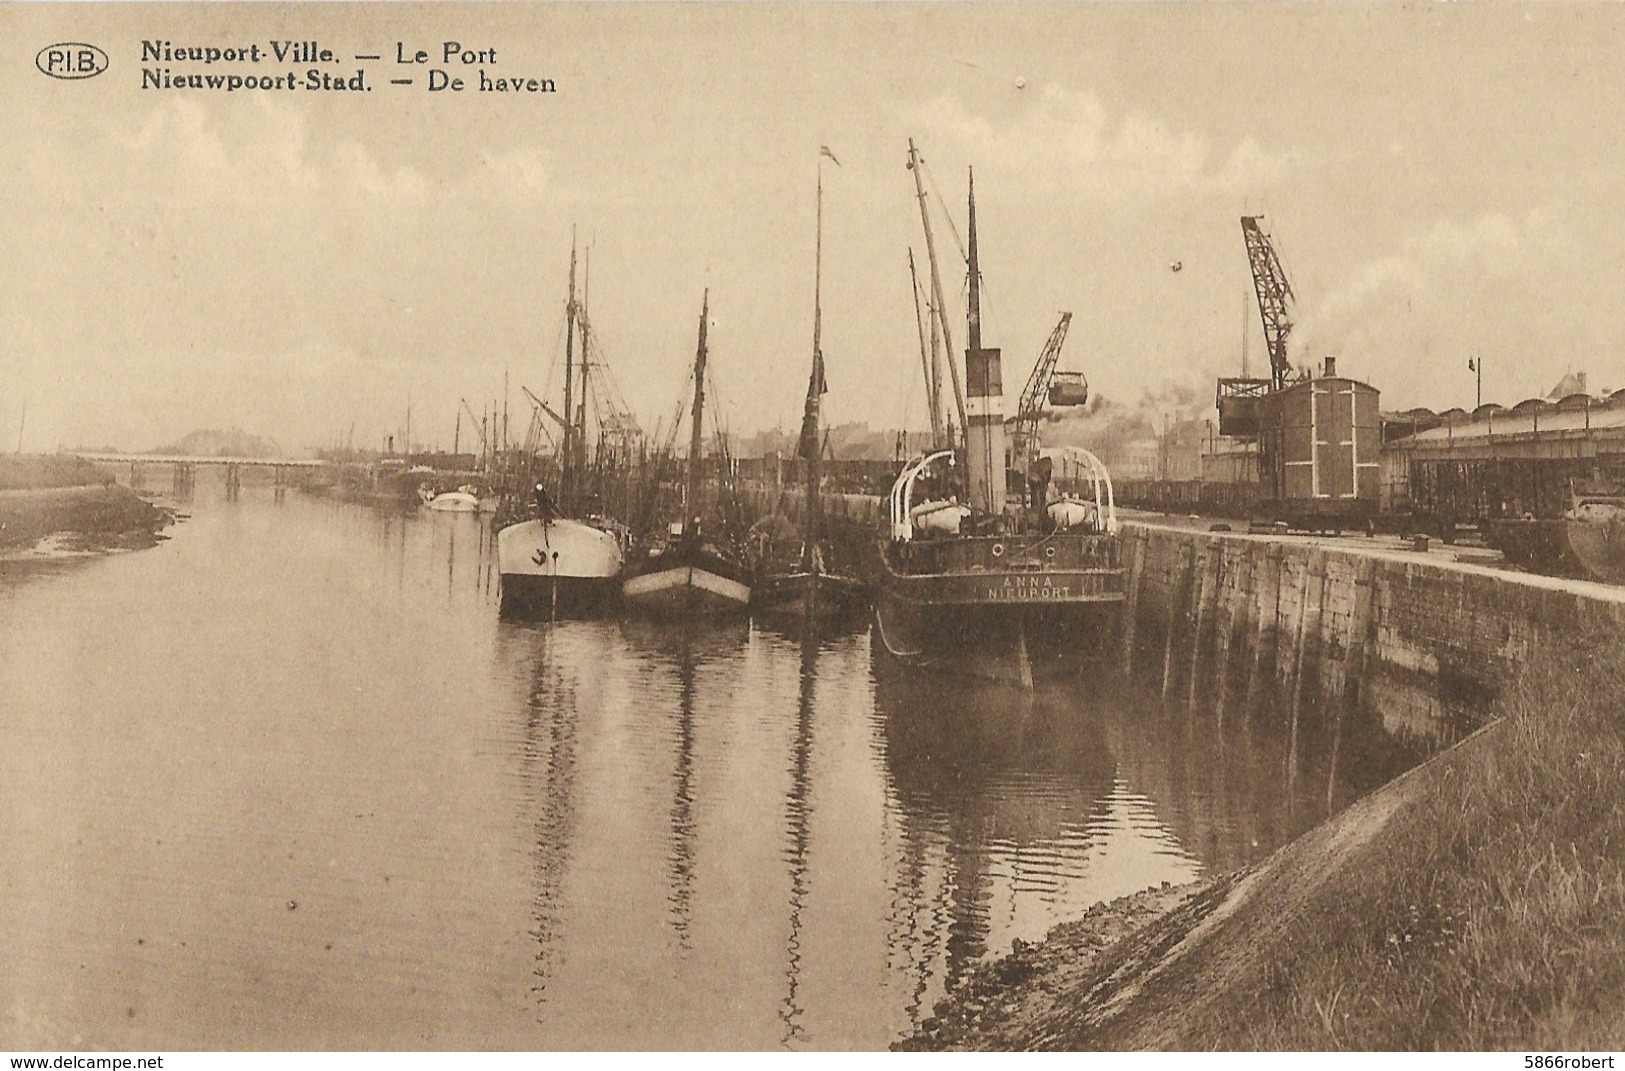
<point>1238,397</point>
<point>1045,384</point>
<point>1275,296</point>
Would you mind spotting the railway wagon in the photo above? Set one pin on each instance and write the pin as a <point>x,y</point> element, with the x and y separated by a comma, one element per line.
<point>1209,498</point>
<point>1320,443</point>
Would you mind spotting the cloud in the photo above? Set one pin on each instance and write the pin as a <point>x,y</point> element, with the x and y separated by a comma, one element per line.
<point>1432,271</point>
<point>1511,288</point>
<point>1067,137</point>
<point>252,245</point>
<point>266,153</point>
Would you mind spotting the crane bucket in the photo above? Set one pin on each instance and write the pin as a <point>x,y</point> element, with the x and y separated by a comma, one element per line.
<point>1068,388</point>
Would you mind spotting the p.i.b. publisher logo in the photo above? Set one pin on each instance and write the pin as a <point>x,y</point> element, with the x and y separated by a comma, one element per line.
<point>71,61</point>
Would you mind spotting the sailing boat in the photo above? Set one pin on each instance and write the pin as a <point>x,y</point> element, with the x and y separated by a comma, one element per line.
<point>808,587</point>
<point>554,564</point>
<point>686,573</point>
<point>1006,581</point>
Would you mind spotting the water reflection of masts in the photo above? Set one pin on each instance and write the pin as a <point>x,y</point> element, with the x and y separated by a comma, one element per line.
<point>549,754</point>
<point>907,889</point>
<point>488,573</point>
<point>681,870</point>
<point>985,777</point>
<point>451,564</point>
<point>797,815</point>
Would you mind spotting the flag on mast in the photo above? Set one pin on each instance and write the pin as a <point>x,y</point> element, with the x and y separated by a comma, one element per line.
<point>823,150</point>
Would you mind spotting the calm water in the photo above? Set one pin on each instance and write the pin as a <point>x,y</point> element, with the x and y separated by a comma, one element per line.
<point>286,781</point>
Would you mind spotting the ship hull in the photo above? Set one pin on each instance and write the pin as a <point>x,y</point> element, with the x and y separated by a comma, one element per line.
<point>1012,643</point>
<point>815,597</point>
<point>460,502</point>
<point>542,597</point>
<point>558,568</point>
<point>679,582</point>
<point>1591,549</point>
<point>997,616</point>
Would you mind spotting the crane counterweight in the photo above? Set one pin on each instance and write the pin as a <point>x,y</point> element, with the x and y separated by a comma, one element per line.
<point>1238,398</point>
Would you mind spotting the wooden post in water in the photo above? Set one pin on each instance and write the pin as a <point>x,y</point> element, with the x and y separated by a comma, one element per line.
<point>1212,575</point>
<point>1314,580</point>
<point>1176,598</point>
<point>1229,610</point>
<point>1268,610</point>
<point>1131,605</point>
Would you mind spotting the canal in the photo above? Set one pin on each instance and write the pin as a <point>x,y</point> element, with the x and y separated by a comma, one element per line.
<point>286,781</point>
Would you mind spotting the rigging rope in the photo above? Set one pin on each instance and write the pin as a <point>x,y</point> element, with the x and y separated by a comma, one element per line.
<point>964,255</point>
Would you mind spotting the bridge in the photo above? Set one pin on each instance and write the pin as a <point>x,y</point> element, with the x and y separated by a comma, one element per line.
<point>178,459</point>
<point>184,468</point>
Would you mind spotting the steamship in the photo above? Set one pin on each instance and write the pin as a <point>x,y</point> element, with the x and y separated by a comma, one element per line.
<point>974,578</point>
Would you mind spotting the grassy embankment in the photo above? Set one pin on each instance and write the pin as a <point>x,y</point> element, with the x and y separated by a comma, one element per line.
<point>1490,914</point>
<point>1476,904</point>
<point>43,495</point>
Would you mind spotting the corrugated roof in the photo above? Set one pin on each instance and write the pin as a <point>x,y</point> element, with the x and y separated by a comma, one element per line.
<point>1540,419</point>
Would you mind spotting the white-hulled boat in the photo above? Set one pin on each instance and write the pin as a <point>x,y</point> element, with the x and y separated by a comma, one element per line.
<point>554,566</point>
<point>461,501</point>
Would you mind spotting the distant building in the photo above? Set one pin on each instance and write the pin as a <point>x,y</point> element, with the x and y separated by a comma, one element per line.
<point>1571,383</point>
<point>211,442</point>
<point>1139,459</point>
<point>1227,460</point>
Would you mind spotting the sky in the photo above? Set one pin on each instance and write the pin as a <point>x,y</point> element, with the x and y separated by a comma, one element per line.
<point>1442,182</point>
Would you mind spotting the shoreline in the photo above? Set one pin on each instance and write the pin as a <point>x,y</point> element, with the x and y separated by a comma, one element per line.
<point>81,517</point>
<point>995,1005</point>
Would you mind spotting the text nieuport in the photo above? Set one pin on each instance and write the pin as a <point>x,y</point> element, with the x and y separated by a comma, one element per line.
<point>453,56</point>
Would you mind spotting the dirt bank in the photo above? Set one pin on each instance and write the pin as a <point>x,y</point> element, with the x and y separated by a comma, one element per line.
<point>1187,968</point>
<point>101,516</point>
<point>999,1003</point>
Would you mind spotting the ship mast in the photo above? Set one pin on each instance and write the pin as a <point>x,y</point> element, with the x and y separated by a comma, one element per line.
<point>936,289</point>
<point>973,311</point>
<point>812,445</point>
<point>933,389</point>
<point>566,463</point>
<point>579,417</point>
<point>984,430</point>
<point>697,433</point>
